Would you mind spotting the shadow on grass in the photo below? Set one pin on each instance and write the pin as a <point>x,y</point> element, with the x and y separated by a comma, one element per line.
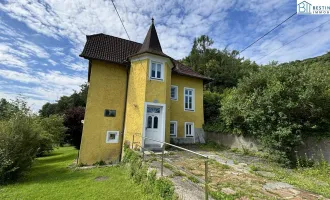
<point>53,168</point>
<point>54,159</point>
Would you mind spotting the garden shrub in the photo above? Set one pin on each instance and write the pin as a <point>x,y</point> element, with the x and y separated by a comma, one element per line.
<point>211,106</point>
<point>19,143</point>
<point>280,106</point>
<point>165,188</point>
<point>23,136</point>
<point>53,134</point>
<point>138,170</point>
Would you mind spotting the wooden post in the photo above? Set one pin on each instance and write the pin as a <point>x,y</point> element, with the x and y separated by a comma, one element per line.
<point>133,142</point>
<point>162,167</point>
<point>206,180</point>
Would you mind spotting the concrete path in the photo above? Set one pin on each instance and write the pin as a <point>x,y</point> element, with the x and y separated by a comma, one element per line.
<point>230,176</point>
<point>184,188</point>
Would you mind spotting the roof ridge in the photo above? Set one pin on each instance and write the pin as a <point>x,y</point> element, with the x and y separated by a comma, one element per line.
<point>97,34</point>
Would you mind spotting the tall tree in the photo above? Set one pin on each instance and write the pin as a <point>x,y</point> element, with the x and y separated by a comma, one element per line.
<point>223,66</point>
<point>77,99</point>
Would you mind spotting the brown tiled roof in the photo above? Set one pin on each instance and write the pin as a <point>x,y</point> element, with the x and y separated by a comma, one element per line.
<point>117,50</point>
<point>181,69</point>
<point>109,48</point>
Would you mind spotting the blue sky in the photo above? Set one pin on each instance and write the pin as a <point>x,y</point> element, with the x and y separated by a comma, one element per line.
<point>40,40</point>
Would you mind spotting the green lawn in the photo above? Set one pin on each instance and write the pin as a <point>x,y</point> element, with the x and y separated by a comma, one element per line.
<point>50,178</point>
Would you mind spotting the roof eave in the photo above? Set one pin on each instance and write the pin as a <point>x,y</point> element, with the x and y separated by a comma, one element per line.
<point>125,63</point>
<point>199,77</point>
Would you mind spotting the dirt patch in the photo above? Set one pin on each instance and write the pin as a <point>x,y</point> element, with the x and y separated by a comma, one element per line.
<point>101,178</point>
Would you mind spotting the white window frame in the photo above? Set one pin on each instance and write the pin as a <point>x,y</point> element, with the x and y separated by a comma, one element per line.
<point>176,93</point>
<point>161,70</point>
<point>175,129</point>
<point>192,129</point>
<point>193,99</point>
<point>108,140</point>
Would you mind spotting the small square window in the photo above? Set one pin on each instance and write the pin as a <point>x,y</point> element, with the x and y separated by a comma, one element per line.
<point>174,92</point>
<point>112,137</point>
<point>109,113</point>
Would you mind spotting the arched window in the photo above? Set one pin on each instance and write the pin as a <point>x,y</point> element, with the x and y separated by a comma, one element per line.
<point>155,122</point>
<point>149,122</point>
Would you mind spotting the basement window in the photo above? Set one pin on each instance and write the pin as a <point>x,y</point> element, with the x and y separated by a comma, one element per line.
<point>112,137</point>
<point>173,128</point>
<point>189,129</point>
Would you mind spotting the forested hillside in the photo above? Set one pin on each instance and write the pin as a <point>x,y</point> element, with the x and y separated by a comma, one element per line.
<point>278,104</point>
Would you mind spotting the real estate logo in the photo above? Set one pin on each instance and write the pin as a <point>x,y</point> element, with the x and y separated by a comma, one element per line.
<point>313,7</point>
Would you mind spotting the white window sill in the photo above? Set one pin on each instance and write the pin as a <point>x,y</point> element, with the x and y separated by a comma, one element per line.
<point>157,79</point>
<point>189,110</point>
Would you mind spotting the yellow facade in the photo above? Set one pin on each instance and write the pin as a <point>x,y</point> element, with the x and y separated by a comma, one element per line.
<point>135,99</point>
<point>106,91</point>
<point>140,90</point>
<point>177,107</point>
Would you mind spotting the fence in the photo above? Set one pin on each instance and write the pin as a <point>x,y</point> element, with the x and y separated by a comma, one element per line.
<point>163,144</point>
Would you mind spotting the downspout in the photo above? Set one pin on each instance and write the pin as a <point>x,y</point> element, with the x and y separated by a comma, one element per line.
<point>124,120</point>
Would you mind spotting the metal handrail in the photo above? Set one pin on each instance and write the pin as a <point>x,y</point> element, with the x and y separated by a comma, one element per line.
<point>162,161</point>
<point>174,146</point>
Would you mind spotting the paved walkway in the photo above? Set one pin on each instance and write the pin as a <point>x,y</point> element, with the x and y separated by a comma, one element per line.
<point>226,175</point>
<point>184,188</point>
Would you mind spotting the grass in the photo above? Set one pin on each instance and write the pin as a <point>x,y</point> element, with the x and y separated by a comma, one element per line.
<point>314,179</point>
<point>50,178</point>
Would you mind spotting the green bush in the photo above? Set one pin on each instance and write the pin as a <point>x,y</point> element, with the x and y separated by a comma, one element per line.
<point>23,136</point>
<point>53,134</point>
<point>138,170</point>
<point>280,106</point>
<point>19,143</point>
<point>165,188</point>
<point>211,106</point>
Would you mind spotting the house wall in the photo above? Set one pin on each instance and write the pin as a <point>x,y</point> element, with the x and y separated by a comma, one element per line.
<point>135,101</point>
<point>106,91</point>
<point>159,92</point>
<point>141,90</point>
<point>177,107</point>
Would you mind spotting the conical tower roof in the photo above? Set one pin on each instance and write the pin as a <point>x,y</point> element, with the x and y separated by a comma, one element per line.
<point>151,42</point>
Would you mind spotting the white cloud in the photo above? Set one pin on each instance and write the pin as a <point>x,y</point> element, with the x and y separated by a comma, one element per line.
<point>177,23</point>
<point>79,66</point>
<point>32,49</point>
<point>48,85</point>
<point>52,62</point>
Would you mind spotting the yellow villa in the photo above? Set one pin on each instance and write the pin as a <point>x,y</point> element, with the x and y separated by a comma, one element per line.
<point>136,90</point>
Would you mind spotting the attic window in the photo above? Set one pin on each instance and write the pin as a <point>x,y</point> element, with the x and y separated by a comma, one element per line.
<point>156,71</point>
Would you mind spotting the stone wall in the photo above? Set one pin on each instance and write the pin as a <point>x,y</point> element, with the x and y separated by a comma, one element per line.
<point>314,148</point>
<point>233,141</point>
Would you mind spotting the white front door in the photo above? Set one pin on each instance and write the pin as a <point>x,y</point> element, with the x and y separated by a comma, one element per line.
<point>153,124</point>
